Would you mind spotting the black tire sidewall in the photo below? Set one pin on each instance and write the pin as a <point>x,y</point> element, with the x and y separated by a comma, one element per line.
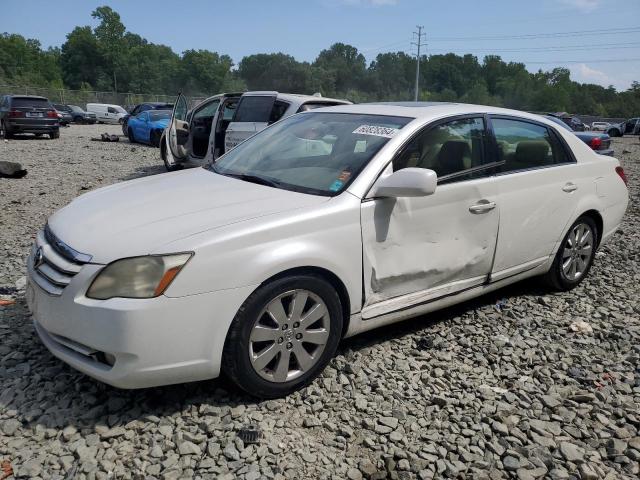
<point>236,362</point>
<point>130,135</point>
<point>558,274</point>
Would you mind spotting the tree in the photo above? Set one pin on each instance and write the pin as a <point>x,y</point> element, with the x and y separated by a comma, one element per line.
<point>347,67</point>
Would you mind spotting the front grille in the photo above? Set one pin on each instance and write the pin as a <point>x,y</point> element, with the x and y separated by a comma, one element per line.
<point>54,262</point>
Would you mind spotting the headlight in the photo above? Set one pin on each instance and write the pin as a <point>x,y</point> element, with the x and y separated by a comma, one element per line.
<point>137,277</point>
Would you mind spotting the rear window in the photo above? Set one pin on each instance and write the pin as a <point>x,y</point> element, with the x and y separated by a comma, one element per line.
<point>313,105</point>
<point>22,102</point>
<point>254,109</point>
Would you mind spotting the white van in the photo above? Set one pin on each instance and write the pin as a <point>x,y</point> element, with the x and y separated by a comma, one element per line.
<point>107,113</point>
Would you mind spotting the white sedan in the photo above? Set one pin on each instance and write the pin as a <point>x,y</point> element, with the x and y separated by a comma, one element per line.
<point>324,225</point>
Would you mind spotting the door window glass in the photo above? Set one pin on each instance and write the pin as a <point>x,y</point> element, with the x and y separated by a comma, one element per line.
<point>229,110</point>
<point>254,109</point>
<point>523,145</point>
<point>208,110</point>
<point>278,110</point>
<point>180,112</point>
<point>111,110</point>
<point>454,150</point>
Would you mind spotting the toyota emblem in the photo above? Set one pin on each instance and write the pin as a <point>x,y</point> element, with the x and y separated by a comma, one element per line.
<point>38,258</point>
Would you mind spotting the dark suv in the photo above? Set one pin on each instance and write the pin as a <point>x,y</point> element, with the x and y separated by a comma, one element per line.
<point>28,114</point>
<point>143,107</point>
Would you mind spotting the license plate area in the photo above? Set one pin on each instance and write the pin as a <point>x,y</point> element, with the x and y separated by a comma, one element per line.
<point>34,115</point>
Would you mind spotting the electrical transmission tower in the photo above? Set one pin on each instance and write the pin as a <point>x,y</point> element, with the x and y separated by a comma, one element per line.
<point>419,43</point>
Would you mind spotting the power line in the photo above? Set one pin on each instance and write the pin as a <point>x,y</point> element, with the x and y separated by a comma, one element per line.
<point>419,43</point>
<point>607,60</point>
<point>577,33</point>
<point>538,49</point>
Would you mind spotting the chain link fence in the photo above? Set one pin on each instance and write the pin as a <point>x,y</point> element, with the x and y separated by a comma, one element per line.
<point>82,97</point>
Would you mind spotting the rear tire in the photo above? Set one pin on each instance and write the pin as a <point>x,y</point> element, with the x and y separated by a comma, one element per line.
<point>575,255</point>
<point>269,367</point>
<point>4,131</point>
<point>54,134</point>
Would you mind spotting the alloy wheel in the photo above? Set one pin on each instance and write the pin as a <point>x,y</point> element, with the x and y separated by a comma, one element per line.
<point>577,252</point>
<point>289,336</point>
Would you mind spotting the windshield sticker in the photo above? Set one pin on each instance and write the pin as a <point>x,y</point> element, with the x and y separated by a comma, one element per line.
<point>335,186</point>
<point>376,131</point>
<point>344,175</point>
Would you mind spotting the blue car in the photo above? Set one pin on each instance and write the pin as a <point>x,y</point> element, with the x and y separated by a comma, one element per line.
<point>147,127</point>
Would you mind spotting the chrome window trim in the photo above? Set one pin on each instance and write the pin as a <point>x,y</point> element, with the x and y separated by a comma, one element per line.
<point>65,250</point>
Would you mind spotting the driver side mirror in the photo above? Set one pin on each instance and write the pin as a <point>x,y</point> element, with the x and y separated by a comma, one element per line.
<point>408,182</point>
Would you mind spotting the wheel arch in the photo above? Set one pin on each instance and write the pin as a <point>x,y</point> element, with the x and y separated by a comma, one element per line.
<point>597,218</point>
<point>330,277</point>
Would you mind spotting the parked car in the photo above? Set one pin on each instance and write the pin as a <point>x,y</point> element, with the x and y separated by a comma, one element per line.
<point>147,126</point>
<point>616,130</point>
<point>143,107</point>
<point>632,126</point>
<point>599,142</point>
<point>323,225</point>
<point>573,122</point>
<point>28,114</point>
<point>600,126</point>
<point>106,113</point>
<point>220,122</point>
<point>64,114</point>
<point>81,116</point>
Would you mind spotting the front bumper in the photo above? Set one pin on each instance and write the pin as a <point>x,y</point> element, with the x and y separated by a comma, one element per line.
<point>134,343</point>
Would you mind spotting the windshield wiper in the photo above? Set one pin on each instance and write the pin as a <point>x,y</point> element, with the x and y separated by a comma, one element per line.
<point>255,179</point>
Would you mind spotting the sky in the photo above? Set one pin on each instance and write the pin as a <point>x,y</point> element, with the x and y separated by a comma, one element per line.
<point>598,40</point>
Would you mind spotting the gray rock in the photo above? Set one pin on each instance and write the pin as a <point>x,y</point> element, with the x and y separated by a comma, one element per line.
<point>189,448</point>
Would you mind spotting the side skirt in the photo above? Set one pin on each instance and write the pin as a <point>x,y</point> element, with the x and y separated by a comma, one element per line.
<point>357,324</point>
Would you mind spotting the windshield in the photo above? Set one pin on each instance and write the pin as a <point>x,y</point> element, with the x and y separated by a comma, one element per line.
<point>159,115</point>
<point>318,153</point>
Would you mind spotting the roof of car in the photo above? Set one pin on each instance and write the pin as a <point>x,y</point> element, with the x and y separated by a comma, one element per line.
<point>28,96</point>
<point>297,97</point>
<point>426,110</point>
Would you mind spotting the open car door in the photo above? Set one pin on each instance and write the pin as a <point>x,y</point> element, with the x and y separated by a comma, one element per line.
<point>178,134</point>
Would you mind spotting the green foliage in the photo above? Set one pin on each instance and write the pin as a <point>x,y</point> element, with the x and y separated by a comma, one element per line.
<point>108,57</point>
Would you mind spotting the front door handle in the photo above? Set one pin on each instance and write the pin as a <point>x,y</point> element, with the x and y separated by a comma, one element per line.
<point>483,206</point>
<point>570,187</point>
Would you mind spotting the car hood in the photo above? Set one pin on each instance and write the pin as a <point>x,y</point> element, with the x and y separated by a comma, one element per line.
<point>139,217</point>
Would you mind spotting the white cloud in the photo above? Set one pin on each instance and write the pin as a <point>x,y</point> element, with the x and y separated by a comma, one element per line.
<point>584,5</point>
<point>586,74</point>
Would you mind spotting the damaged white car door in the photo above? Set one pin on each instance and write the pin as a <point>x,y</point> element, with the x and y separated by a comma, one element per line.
<point>416,249</point>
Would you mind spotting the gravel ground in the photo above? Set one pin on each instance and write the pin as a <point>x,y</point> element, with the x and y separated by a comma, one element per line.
<point>499,387</point>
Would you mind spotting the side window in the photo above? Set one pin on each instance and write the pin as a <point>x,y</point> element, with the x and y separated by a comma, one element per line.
<point>454,150</point>
<point>254,109</point>
<point>207,111</point>
<point>229,109</point>
<point>278,110</point>
<point>523,145</point>
<point>111,110</point>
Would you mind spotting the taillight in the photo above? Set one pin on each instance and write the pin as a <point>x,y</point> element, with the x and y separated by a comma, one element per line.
<point>15,114</point>
<point>622,175</point>
<point>52,114</point>
<point>595,143</point>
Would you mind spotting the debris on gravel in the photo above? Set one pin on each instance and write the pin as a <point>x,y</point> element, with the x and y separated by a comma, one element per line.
<point>499,387</point>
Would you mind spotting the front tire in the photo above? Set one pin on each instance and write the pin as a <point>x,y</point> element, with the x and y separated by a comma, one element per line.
<point>4,131</point>
<point>283,336</point>
<point>575,255</point>
<point>132,139</point>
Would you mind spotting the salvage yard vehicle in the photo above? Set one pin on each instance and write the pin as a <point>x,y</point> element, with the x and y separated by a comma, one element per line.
<point>598,141</point>
<point>80,116</point>
<point>28,114</point>
<point>147,127</point>
<point>107,113</point>
<point>215,125</point>
<point>143,107</point>
<point>600,126</point>
<point>322,226</point>
<point>64,114</point>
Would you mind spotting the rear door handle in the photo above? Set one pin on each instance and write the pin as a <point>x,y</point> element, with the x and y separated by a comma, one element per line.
<point>570,187</point>
<point>483,206</point>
